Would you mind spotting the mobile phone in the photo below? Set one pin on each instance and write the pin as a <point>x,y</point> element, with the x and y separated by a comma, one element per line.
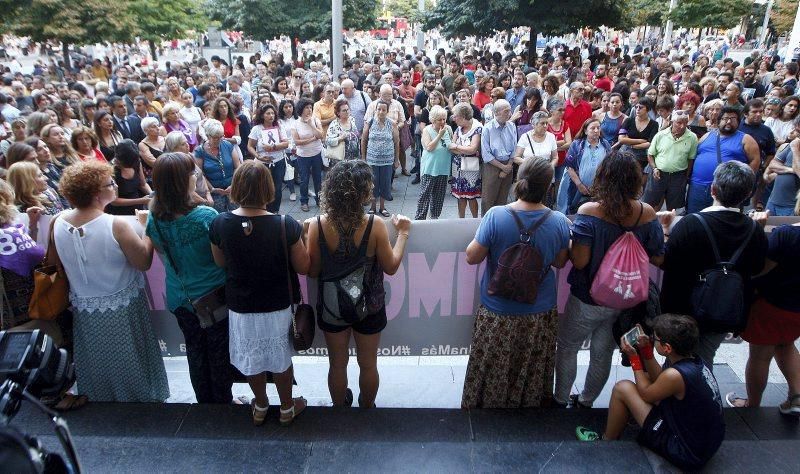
<point>632,336</point>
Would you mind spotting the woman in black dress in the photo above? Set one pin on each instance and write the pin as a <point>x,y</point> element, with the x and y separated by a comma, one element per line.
<point>133,192</point>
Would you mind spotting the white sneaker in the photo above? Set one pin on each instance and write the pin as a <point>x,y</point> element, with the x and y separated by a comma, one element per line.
<point>312,193</point>
<point>293,197</point>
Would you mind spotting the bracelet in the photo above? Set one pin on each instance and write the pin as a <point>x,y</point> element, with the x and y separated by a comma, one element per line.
<point>403,234</point>
<point>636,362</point>
<point>646,352</point>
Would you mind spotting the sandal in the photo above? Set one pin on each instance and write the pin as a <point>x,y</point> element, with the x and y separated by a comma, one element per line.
<point>71,402</point>
<point>259,414</point>
<point>361,403</point>
<point>735,402</point>
<point>288,416</point>
<point>791,407</point>
<point>371,212</point>
<point>385,213</point>
<point>242,400</point>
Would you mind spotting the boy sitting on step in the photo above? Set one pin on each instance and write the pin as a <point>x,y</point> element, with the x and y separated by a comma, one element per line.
<point>678,405</point>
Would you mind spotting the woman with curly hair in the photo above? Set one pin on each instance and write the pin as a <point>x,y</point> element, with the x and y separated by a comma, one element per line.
<point>115,346</point>
<point>345,240</point>
<point>615,209</point>
<point>223,110</point>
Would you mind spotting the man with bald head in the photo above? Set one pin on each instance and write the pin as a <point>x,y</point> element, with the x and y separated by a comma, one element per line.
<point>358,101</point>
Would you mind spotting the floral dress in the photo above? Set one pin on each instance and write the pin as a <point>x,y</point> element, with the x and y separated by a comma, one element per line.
<point>465,184</point>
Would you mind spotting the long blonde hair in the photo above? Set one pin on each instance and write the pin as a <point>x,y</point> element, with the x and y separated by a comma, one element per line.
<point>8,210</point>
<point>22,177</point>
<point>70,155</point>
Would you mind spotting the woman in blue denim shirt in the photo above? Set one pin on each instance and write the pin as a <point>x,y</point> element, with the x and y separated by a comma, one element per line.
<point>582,162</point>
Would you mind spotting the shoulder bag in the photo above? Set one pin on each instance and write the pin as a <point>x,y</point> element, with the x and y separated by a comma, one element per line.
<point>303,321</point>
<point>50,285</point>
<point>210,308</point>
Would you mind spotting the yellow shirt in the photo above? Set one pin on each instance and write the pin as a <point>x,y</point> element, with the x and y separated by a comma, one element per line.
<point>324,112</point>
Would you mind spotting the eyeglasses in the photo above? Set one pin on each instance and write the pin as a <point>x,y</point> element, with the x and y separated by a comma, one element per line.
<point>727,119</point>
<point>112,184</point>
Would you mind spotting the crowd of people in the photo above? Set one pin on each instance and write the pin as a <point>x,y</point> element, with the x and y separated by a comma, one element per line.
<point>626,143</point>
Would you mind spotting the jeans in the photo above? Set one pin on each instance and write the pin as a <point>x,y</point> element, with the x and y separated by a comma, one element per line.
<point>698,197</point>
<point>708,345</point>
<point>207,352</point>
<point>580,321</point>
<point>310,168</point>
<point>278,170</point>
<point>780,211</point>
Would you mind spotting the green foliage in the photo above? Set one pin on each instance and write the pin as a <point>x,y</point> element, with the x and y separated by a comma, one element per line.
<point>408,9</point>
<point>305,19</point>
<point>158,20</point>
<point>645,13</point>
<point>549,17</point>
<point>82,22</point>
<point>782,16</point>
<point>723,14</point>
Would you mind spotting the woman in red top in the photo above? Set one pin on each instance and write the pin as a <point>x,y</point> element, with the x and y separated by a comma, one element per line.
<point>484,94</point>
<point>222,110</point>
<point>558,127</point>
<point>86,144</point>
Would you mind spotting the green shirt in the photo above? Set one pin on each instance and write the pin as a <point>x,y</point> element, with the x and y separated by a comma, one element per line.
<point>437,162</point>
<point>671,155</point>
<point>189,245</point>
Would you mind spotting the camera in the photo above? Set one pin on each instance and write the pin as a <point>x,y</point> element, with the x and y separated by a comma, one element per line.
<point>31,366</point>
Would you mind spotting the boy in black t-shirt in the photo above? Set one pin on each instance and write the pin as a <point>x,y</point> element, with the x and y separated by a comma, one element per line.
<point>678,405</point>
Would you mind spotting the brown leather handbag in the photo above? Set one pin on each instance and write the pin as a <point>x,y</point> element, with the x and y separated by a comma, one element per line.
<point>50,285</point>
<point>303,319</point>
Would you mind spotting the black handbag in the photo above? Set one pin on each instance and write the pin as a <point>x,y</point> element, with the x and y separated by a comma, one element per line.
<point>210,308</point>
<point>303,319</point>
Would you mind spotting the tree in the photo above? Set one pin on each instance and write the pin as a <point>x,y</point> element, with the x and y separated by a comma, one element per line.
<point>724,14</point>
<point>408,9</point>
<point>301,19</point>
<point>549,17</point>
<point>160,20</point>
<point>782,16</point>
<point>645,13</point>
<point>83,22</point>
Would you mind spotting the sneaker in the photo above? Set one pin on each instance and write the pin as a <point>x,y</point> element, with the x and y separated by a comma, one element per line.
<point>293,197</point>
<point>735,402</point>
<point>585,434</point>
<point>312,193</point>
<point>791,407</point>
<point>304,207</point>
<point>415,180</point>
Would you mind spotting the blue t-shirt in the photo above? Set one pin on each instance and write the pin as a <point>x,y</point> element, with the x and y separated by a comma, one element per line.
<point>599,235</point>
<point>498,231</point>
<point>190,248</point>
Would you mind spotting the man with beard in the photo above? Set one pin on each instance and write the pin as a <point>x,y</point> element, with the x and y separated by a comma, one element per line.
<point>420,101</point>
<point>753,89</point>
<point>727,143</point>
<point>753,125</point>
<point>601,81</point>
<point>515,95</point>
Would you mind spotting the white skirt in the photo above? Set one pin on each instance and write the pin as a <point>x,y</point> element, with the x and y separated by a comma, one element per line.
<point>259,342</point>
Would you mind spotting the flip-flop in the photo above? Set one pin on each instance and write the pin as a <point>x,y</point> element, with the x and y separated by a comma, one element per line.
<point>735,402</point>
<point>585,434</point>
<point>385,213</point>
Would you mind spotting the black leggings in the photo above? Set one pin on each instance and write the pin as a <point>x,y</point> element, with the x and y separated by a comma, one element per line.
<point>209,359</point>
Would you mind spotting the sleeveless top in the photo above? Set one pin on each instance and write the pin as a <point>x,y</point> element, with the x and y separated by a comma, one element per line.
<point>100,277</point>
<point>559,134</point>
<point>380,147</point>
<point>229,127</point>
<point>148,170</point>
<point>126,189</point>
<point>346,255</point>
<point>705,163</point>
<point>609,128</point>
<point>698,417</point>
<point>218,169</point>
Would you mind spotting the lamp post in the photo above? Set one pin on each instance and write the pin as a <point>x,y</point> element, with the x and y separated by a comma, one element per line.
<point>336,37</point>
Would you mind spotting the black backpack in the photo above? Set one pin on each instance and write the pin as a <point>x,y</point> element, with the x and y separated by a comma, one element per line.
<point>520,268</point>
<point>717,299</point>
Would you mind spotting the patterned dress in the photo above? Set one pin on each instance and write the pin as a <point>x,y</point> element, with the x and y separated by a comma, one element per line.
<point>117,358</point>
<point>466,184</point>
